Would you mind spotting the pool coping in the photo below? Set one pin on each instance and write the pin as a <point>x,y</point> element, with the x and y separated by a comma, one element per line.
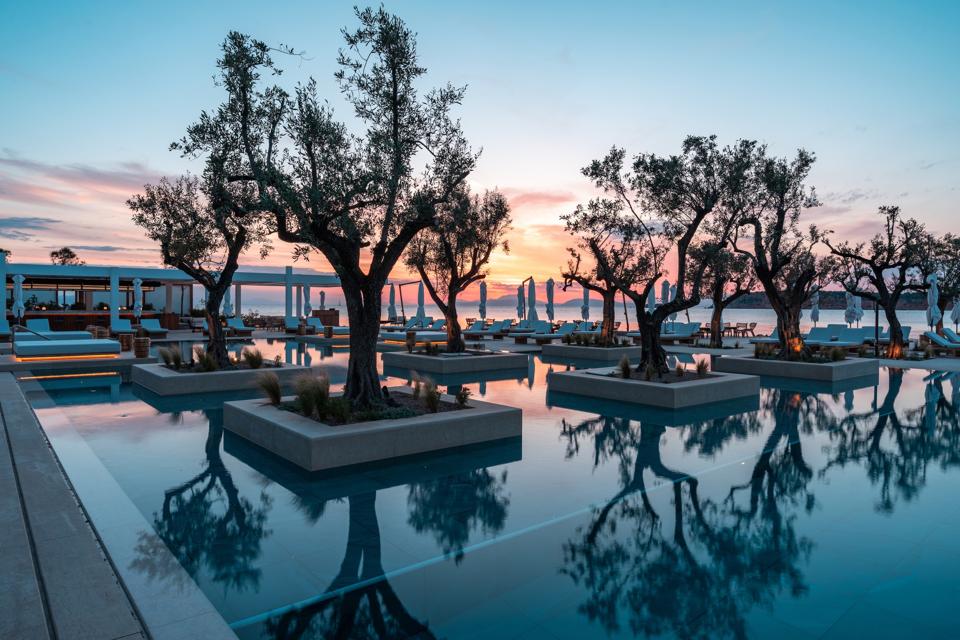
<point>315,446</point>
<point>595,354</point>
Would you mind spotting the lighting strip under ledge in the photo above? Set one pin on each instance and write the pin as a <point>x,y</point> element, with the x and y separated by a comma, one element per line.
<point>62,376</point>
<point>92,356</point>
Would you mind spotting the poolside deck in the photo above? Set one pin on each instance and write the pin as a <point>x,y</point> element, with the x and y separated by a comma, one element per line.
<point>55,580</point>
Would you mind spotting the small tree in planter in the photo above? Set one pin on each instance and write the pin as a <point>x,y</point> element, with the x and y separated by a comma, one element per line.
<point>454,253</point>
<point>610,255</point>
<point>883,268</point>
<point>202,236</point>
<point>727,278</point>
<point>769,236</point>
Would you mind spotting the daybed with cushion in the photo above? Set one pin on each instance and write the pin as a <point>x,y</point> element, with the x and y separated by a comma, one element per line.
<point>939,342</point>
<point>64,348</point>
<point>547,337</point>
<point>494,330</point>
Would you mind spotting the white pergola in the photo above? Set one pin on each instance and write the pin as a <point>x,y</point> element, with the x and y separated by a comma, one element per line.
<point>65,275</point>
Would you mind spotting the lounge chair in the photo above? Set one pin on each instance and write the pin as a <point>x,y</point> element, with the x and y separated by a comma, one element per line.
<point>494,330</point>
<point>121,326</point>
<point>950,334</point>
<point>547,337</point>
<point>291,324</point>
<point>538,327</point>
<point>39,329</point>
<point>238,328</point>
<point>55,349</point>
<point>477,325</point>
<point>153,328</point>
<point>939,342</point>
<point>773,338</point>
<point>586,328</point>
<point>682,332</point>
<point>320,328</point>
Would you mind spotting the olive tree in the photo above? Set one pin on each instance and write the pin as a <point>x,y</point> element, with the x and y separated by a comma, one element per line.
<point>780,253</point>
<point>941,256</point>
<point>883,268</point>
<point>202,232</point>
<point>727,278</point>
<point>65,256</point>
<point>454,253</point>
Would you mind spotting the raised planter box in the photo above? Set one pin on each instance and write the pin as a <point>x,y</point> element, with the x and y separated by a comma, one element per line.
<point>595,383</point>
<point>654,415</point>
<point>596,354</point>
<point>823,372</point>
<point>445,364</point>
<point>166,382</point>
<point>315,446</point>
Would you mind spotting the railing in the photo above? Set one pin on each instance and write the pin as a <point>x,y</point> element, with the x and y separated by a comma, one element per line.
<point>23,328</point>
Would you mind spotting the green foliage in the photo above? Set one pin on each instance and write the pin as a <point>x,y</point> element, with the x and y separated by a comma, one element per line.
<point>339,409</point>
<point>313,395</point>
<point>649,372</point>
<point>624,368</point>
<point>929,352</point>
<point>703,367</point>
<point>166,356</point>
<point>205,360</point>
<point>567,339</point>
<point>253,358</point>
<point>463,395</point>
<point>417,390</point>
<point>277,361</point>
<point>269,383</point>
<point>837,354</point>
<point>680,370</point>
<point>431,396</point>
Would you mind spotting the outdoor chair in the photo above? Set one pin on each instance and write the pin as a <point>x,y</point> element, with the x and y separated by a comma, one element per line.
<point>153,328</point>
<point>238,328</point>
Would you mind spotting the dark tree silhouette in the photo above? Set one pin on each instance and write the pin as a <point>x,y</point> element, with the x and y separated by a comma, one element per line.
<point>941,256</point>
<point>202,229</point>
<point>883,268</point>
<point>454,253</point>
<point>727,278</point>
<point>65,256</point>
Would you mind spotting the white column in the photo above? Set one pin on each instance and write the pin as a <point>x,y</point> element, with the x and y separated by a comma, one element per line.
<point>114,296</point>
<point>4,323</point>
<point>299,301</point>
<point>288,292</point>
<point>236,306</point>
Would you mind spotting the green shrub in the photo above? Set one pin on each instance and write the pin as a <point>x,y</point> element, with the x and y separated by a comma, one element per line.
<point>649,372</point>
<point>624,367</point>
<point>205,361</point>
<point>431,396</point>
<point>166,355</point>
<point>567,339</point>
<point>929,352</point>
<point>338,409</point>
<point>416,389</point>
<point>680,370</point>
<point>837,354</point>
<point>253,358</point>
<point>313,394</point>
<point>463,395</point>
<point>702,367</point>
<point>277,361</point>
<point>270,384</point>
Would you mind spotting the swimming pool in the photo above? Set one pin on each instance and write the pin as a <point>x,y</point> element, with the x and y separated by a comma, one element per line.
<point>818,512</point>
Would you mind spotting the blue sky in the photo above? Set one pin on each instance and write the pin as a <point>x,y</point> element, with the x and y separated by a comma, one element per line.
<point>95,92</point>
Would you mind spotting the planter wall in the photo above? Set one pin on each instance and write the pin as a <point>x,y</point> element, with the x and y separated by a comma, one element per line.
<point>824,372</point>
<point>166,382</point>
<point>315,446</point>
<point>596,354</point>
<point>713,388</point>
<point>455,364</point>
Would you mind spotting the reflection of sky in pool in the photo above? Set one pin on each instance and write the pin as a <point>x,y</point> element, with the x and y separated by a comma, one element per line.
<point>814,513</point>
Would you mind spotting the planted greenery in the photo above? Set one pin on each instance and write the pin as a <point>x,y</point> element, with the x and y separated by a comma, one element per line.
<point>270,384</point>
<point>253,358</point>
<point>703,367</point>
<point>624,367</point>
<point>462,397</point>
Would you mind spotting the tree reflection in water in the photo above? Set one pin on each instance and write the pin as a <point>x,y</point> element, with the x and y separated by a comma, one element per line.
<point>702,575</point>
<point>897,449</point>
<point>362,602</point>
<point>207,525</point>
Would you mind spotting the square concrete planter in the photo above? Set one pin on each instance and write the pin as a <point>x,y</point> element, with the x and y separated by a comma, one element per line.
<point>596,383</point>
<point>165,382</point>
<point>446,364</point>
<point>560,352</point>
<point>315,446</point>
<point>820,371</point>
<point>654,415</point>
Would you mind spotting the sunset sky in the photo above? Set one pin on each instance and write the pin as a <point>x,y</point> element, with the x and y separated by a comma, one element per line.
<point>93,93</point>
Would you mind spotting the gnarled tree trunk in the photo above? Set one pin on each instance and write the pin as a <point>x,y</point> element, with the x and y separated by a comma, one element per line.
<point>609,316</point>
<point>362,387</point>
<point>216,336</point>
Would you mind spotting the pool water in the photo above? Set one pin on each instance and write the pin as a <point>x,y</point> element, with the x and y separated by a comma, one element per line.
<point>813,513</point>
